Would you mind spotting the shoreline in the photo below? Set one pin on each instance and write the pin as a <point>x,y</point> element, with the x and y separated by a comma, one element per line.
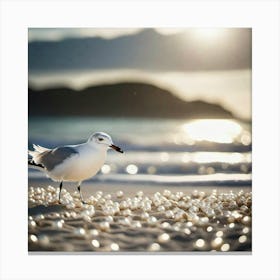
<point>91,187</point>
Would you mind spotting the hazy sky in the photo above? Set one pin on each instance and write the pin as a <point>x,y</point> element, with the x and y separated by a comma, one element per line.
<point>210,64</point>
<point>54,34</point>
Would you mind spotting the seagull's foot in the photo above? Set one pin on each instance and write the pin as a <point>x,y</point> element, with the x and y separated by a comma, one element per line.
<point>59,200</point>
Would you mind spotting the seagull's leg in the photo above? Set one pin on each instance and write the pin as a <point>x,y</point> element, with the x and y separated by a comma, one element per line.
<point>79,189</point>
<point>60,188</point>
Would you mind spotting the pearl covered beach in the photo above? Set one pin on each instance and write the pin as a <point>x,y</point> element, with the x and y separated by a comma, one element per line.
<point>140,220</point>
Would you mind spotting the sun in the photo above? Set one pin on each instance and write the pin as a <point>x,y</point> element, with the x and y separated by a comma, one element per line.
<point>209,34</point>
<point>216,130</point>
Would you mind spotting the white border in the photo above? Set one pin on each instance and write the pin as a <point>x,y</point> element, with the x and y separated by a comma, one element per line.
<point>17,16</point>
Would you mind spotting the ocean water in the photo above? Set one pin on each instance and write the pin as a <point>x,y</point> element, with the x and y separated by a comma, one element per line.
<point>158,152</point>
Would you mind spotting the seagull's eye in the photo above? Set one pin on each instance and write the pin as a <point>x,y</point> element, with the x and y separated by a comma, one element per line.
<point>100,139</point>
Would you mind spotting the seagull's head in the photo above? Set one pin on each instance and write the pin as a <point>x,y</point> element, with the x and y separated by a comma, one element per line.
<point>104,140</point>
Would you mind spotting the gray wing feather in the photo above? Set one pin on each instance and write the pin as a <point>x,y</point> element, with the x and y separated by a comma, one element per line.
<point>50,159</point>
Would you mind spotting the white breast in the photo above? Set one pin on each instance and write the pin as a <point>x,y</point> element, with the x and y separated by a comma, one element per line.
<point>81,166</point>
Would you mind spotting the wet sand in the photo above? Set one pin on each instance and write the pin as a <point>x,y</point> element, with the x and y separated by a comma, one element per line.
<point>138,219</point>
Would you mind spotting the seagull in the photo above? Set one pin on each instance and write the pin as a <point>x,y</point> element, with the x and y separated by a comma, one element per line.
<point>73,163</point>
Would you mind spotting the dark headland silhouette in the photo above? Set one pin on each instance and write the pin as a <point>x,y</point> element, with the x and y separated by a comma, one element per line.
<point>119,100</point>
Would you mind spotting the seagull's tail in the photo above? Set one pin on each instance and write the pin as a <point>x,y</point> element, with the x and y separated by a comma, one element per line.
<point>37,151</point>
<point>40,149</point>
<point>35,154</point>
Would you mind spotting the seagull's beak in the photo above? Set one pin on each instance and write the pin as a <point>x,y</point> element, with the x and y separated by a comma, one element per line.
<point>116,148</point>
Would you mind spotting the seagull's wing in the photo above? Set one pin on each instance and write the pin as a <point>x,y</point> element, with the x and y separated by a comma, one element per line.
<point>52,158</point>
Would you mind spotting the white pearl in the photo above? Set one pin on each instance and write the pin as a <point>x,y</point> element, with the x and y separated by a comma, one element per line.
<point>86,218</point>
<point>161,208</point>
<point>154,247</point>
<point>94,232</point>
<point>199,243</point>
<point>99,193</point>
<point>163,238</point>
<point>95,243</point>
<point>140,193</point>
<point>136,224</point>
<point>120,194</point>
<point>145,216</point>
<point>70,205</point>
<point>104,226</point>
<point>33,238</point>
<point>165,225</point>
<point>225,247</point>
<point>152,220</point>
<point>109,219</point>
<point>51,189</point>
<point>126,212</point>
<point>169,214</point>
<point>125,222</point>
<point>32,223</point>
<point>59,224</point>
<point>79,231</point>
<point>123,205</point>
<point>115,247</point>
<point>167,193</point>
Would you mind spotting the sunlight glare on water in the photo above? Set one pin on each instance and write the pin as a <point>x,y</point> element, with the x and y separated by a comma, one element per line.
<point>204,157</point>
<point>219,131</point>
